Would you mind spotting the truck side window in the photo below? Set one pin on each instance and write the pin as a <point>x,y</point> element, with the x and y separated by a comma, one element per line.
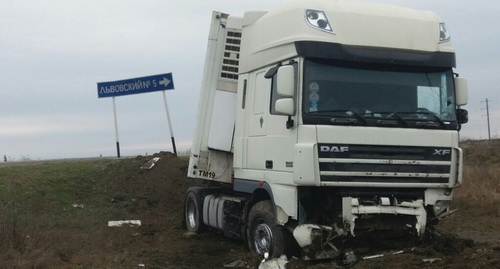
<point>274,92</point>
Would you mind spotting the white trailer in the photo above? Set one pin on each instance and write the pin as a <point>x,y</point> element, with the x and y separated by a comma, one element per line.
<point>322,120</point>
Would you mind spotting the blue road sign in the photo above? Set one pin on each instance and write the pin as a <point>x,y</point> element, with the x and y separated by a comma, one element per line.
<point>154,83</point>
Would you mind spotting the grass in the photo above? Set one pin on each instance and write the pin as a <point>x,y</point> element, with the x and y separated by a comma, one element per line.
<point>40,228</point>
<point>47,188</point>
<point>481,152</point>
<point>36,204</point>
<point>481,182</point>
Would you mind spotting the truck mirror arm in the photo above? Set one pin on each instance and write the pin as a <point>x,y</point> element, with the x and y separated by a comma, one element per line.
<point>272,71</point>
<point>289,122</point>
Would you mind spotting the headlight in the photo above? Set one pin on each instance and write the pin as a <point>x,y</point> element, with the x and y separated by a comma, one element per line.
<point>317,19</point>
<point>444,35</point>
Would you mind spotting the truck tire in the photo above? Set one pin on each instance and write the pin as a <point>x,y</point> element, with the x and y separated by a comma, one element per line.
<point>193,212</point>
<point>264,234</point>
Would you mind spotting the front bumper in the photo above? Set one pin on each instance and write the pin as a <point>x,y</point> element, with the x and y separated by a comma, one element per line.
<point>322,242</point>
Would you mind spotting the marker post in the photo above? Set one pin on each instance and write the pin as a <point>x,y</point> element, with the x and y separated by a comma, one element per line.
<point>116,129</point>
<point>169,123</point>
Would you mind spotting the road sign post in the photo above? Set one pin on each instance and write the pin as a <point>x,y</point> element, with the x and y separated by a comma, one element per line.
<point>116,129</point>
<point>147,84</point>
<point>169,123</point>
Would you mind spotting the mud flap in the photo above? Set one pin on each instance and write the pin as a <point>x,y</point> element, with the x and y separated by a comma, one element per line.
<point>352,209</point>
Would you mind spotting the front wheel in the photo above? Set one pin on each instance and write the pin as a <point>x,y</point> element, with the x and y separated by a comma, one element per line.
<point>264,234</point>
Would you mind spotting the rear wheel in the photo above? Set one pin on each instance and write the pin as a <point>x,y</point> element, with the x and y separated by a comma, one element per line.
<point>193,210</point>
<point>264,234</point>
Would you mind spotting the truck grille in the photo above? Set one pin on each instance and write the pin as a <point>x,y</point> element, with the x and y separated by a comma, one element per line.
<point>384,164</point>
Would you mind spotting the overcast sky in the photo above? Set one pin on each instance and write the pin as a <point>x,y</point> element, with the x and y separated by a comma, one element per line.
<point>52,54</point>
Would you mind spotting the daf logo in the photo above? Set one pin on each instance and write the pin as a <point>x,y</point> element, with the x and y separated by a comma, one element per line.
<point>333,149</point>
<point>441,152</point>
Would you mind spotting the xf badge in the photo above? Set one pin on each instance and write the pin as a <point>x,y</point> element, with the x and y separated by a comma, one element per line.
<point>441,152</point>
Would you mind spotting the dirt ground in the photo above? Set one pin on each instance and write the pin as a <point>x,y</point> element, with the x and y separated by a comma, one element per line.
<point>469,238</point>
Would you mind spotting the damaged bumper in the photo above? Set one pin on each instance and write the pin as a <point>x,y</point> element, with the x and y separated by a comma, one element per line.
<point>352,208</point>
<point>319,241</point>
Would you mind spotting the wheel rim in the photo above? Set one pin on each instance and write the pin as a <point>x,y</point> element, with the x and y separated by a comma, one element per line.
<point>192,215</point>
<point>263,238</point>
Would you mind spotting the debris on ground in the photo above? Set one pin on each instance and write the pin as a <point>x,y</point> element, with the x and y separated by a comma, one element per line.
<point>121,223</point>
<point>188,234</point>
<point>349,258</point>
<point>277,263</point>
<point>382,255</point>
<point>77,205</point>
<point>373,257</point>
<point>431,260</point>
<point>150,164</point>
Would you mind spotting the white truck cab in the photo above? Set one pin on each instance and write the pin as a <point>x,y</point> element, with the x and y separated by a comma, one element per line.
<point>325,119</point>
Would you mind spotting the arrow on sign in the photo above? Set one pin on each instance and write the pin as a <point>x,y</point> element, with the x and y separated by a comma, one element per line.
<point>164,82</point>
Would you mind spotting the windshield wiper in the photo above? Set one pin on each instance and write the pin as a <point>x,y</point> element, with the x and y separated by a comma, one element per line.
<point>434,121</point>
<point>395,122</point>
<point>354,117</point>
<point>430,123</point>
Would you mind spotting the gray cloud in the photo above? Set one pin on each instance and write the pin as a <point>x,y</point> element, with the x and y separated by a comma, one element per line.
<point>52,54</point>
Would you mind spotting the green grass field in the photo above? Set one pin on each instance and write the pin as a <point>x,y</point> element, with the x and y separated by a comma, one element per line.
<point>36,204</point>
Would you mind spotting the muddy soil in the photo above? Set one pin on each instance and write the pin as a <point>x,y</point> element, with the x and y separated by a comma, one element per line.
<point>470,238</point>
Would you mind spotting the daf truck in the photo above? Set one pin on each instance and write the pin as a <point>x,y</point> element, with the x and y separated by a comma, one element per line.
<point>322,120</point>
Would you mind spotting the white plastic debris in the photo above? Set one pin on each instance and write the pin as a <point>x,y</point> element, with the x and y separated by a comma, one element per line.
<point>278,263</point>
<point>382,255</point>
<point>431,260</point>
<point>77,205</point>
<point>121,223</point>
<point>373,257</point>
<point>266,256</point>
<point>150,163</point>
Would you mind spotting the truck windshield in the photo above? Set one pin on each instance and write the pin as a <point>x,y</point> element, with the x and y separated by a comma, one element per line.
<point>374,95</point>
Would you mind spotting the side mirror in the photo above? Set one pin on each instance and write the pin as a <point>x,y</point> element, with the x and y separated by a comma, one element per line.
<point>285,83</point>
<point>285,106</point>
<point>462,116</point>
<point>461,91</point>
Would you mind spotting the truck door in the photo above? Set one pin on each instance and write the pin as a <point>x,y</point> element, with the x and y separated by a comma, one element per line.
<point>269,143</point>
<point>280,136</point>
<point>256,121</point>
